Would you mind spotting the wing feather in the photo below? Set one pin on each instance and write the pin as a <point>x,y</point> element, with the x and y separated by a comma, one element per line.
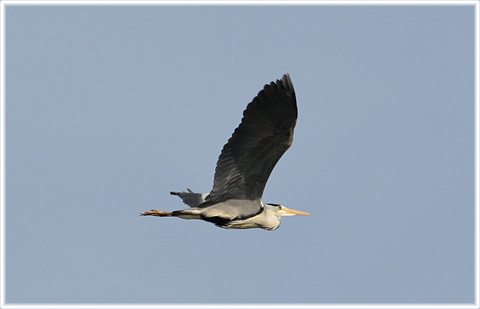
<point>263,136</point>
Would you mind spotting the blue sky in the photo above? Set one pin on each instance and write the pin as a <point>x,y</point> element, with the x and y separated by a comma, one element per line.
<point>108,108</point>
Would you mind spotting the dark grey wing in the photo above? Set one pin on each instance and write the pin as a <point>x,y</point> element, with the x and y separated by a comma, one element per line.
<point>263,136</point>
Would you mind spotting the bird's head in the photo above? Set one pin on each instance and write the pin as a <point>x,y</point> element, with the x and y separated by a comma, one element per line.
<point>280,210</point>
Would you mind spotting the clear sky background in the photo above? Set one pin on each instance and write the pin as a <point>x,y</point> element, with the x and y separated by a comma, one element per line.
<point>108,108</point>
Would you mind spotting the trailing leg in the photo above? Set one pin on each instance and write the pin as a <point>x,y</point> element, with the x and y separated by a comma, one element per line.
<point>157,213</point>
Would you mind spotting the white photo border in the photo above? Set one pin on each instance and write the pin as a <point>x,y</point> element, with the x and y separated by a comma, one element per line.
<point>3,4</point>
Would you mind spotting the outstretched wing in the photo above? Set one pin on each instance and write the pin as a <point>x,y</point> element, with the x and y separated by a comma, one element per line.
<point>263,136</point>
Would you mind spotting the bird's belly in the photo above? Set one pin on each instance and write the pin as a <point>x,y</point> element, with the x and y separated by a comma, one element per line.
<point>241,224</point>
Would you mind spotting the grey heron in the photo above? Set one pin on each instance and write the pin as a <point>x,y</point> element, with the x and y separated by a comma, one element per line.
<point>244,165</point>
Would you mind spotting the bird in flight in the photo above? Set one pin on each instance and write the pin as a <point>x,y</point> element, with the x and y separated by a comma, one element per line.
<point>244,165</point>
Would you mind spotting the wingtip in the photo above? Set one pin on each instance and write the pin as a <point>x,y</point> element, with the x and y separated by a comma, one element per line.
<point>287,81</point>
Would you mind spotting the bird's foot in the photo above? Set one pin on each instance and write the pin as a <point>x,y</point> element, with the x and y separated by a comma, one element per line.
<point>157,213</point>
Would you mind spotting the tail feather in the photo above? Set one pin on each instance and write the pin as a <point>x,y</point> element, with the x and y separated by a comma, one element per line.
<point>191,198</point>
